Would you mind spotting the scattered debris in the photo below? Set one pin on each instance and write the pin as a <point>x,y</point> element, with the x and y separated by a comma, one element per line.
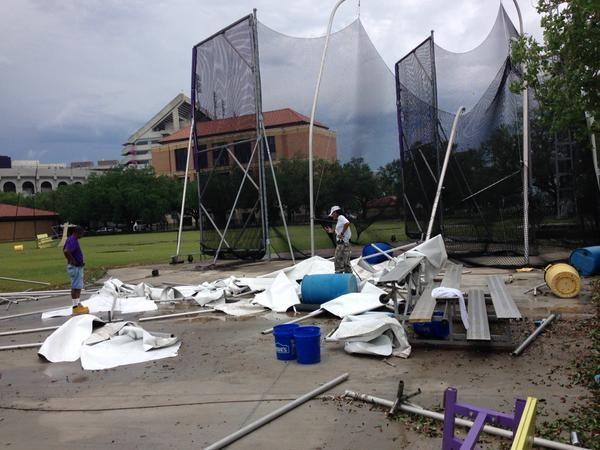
<point>535,334</point>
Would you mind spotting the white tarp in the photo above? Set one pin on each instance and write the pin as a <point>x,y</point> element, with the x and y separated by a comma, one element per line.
<point>445,292</point>
<point>240,308</point>
<point>435,255</point>
<point>107,346</point>
<point>103,302</point>
<point>355,303</point>
<point>367,329</point>
<point>64,344</point>
<point>282,295</point>
<point>131,345</point>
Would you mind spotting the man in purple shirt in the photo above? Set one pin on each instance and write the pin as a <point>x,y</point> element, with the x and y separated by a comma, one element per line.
<point>75,264</point>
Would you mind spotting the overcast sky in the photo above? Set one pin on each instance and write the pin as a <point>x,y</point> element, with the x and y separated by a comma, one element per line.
<point>77,77</point>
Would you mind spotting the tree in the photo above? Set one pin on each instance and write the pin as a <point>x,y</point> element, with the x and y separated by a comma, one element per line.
<point>564,70</point>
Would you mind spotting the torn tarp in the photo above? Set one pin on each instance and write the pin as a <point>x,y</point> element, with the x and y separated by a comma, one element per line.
<point>102,346</point>
<point>355,303</point>
<point>363,334</point>
<point>282,295</point>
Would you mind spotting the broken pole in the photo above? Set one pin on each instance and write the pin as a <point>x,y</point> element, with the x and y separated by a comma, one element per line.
<point>275,414</point>
<point>533,335</point>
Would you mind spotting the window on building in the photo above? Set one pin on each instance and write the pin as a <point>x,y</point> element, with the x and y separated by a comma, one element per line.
<point>243,151</point>
<point>271,142</point>
<point>180,159</point>
<point>202,157</point>
<point>220,154</point>
<point>141,142</point>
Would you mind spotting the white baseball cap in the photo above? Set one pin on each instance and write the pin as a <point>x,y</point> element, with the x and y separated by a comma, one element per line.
<point>334,209</point>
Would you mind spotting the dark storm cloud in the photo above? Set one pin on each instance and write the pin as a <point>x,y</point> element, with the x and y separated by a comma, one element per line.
<point>78,77</point>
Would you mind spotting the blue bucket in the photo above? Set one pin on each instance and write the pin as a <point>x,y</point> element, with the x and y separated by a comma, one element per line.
<point>308,344</point>
<point>317,289</point>
<point>285,345</point>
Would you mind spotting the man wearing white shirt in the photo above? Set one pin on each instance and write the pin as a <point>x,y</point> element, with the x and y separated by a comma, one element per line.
<point>342,239</point>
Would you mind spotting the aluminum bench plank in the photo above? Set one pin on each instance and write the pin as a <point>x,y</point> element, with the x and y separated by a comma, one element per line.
<point>401,270</point>
<point>453,276</point>
<point>479,328</point>
<point>423,310</point>
<point>503,302</point>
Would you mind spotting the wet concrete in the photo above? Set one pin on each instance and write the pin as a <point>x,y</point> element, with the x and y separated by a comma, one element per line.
<point>226,376</point>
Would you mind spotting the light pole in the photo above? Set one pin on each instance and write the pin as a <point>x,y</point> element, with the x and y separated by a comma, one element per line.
<point>525,151</point>
<point>310,133</point>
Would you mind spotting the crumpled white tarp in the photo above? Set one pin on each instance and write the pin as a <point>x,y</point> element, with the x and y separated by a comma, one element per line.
<point>435,255</point>
<point>446,292</point>
<point>355,303</point>
<point>282,295</point>
<point>110,345</point>
<point>312,266</point>
<point>367,330</point>
<point>104,301</point>
<point>243,307</point>
<point>65,343</point>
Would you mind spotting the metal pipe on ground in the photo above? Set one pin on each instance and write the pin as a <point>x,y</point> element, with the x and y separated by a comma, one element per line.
<point>20,346</point>
<point>299,319</point>
<point>171,316</point>
<point>25,281</point>
<point>533,335</point>
<point>540,442</point>
<point>275,414</point>
<point>31,313</point>
<point>28,330</point>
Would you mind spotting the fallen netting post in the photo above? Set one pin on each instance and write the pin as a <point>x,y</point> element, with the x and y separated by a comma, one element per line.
<point>31,313</point>
<point>25,281</point>
<point>275,414</point>
<point>299,319</point>
<point>457,420</point>
<point>29,330</point>
<point>20,346</point>
<point>533,335</point>
<point>169,316</point>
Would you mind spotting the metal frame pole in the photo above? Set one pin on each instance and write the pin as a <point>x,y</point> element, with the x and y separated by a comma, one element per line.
<point>287,234</point>
<point>187,163</point>
<point>525,150</point>
<point>311,129</point>
<point>237,197</point>
<point>260,139</point>
<point>440,185</point>
<point>275,414</point>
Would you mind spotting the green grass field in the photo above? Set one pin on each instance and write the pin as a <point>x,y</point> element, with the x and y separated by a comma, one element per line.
<point>105,252</point>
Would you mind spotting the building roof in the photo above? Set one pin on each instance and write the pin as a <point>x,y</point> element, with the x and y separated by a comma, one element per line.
<point>11,211</point>
<point>277,118</point>
<point>159,116</point>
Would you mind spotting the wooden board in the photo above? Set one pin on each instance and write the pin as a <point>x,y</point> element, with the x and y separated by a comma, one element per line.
<point>503,302</point>
<point>425,306</point>
<point>479,328</point>
<point>453,276</point>
<point>401,270</point>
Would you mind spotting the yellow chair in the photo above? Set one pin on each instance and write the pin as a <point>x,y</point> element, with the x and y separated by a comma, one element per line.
<point>44,241</point>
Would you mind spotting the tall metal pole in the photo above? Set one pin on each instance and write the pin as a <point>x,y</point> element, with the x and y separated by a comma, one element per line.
<point>310,132</point>
<point>185,181</point>
<point>195,143</point>
<point>262,182</point>
<point>443,172</point>
<point>525,151</point>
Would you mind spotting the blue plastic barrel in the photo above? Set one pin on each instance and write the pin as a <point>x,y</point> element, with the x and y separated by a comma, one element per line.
<point>371,255</point>
<point>317,289</point>
<point>285,343</point>
<point>586,260</point>
<point>308,344</point>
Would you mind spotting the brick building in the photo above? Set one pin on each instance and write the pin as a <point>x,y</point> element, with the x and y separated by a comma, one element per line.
<point>19,223</point>
<point>287,134</point>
